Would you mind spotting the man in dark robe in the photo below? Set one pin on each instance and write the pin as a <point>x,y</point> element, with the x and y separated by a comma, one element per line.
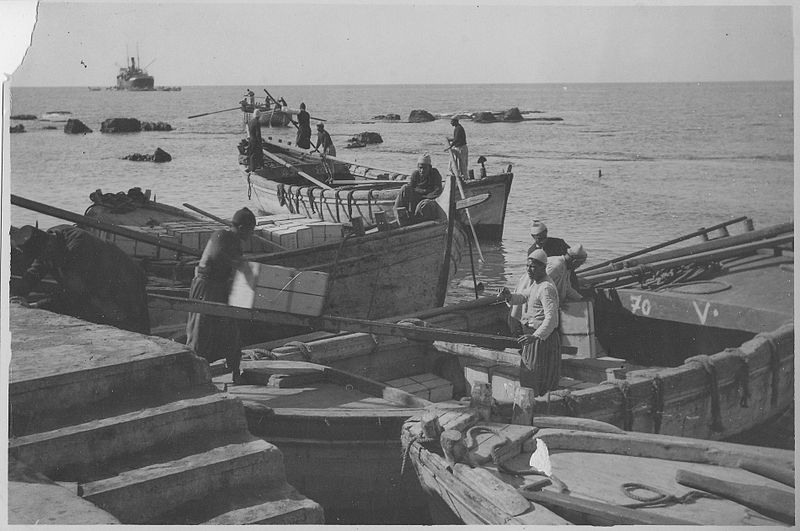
<point>210,336</point>
<point>417,198</point>
<point>96,280</point>
<point>303,139</point>
<point>256,153</point>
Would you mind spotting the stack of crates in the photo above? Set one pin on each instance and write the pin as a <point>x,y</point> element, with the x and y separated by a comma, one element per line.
<point>427,386</point>
<point>138,248</point>
<point>295,231</point>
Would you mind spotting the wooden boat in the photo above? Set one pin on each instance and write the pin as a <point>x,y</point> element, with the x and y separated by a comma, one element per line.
<point>376,352</point>
<point>355,190</point>
<point>338,434</point>
<point>592,475</point>
<point>55,116</point>
<point>664,373</point>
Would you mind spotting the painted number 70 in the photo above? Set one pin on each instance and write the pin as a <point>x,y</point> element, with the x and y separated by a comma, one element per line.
<point>639,303</point>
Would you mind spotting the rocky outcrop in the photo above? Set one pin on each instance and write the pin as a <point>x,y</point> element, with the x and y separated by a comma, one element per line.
<point>156,126</point>
<point>76,127</point>
<point>158,156</point>
<point>120,125</point>
<point>23,117</point>
<point>511,115</point>
<point>49,127</point>
<point>419,116</point>
<point>367,138</point>
<point>19,128</point>
<point>483,117</point>
<point>390,116</point>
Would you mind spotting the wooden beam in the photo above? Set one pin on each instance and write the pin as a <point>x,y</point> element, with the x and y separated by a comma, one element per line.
<point>332,323</point>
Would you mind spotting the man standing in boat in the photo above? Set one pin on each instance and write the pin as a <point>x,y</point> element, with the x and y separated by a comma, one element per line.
<point>561,269</point>
<point>324,141</point>
<point>540,364</point>
<point>458,147</point>
<point>417,198</point>
<point>256,158</point>
<point>303,139</point>
<point>97,281</point>
<point>210,336</point>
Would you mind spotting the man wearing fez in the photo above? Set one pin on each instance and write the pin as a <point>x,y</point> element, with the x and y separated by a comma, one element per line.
<point>540,364</point>
<point>211,336</point>
<point>96,280</point>
<point>417,198</point>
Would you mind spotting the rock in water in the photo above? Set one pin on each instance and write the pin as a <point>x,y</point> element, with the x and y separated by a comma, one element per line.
<point>512,115</point>
<point>76,127</point>
<point>419,116</point>
<point>156,126</point>
<point>367,138</point>
<point>120,125</point>
<point>161,156</point>
<point>484,117</point>
<point>23,117</point>
<point>390,116</point>
<point>19,128</point>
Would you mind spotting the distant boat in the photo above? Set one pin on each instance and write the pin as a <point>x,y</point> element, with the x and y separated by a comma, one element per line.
<point>94,89</point>
<point>55,116</point>
<point>133,77</point>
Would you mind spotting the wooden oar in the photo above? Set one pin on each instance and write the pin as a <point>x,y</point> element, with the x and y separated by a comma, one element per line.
<point>214,112</point>
<point>333,323</point>
<point>109,227</point>
<point>652,248</point>
<point>298,172</point>
<point>599,513</point>
<point>768,470</point>
<point>774,503</point>
<point>699,258</point>
<point>469,216</point>
<point>719,243</point>
<point>229,224</point>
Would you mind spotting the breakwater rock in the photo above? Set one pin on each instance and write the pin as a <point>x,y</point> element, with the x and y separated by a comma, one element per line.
<point>483,117</point>
<point>390,117</point>
<point>23,117</point>
<point>419,116</point>
<point>19,128</point>
<point>158,156</point>
<point>120,125</point>
<point>76,127</point>
<point>156,126</point>
<point>367,138</point>
<point>131,125</point>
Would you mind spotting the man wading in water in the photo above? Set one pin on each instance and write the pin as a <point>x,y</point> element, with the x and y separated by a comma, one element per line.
<point>540,366</point>
<point>210,336</point>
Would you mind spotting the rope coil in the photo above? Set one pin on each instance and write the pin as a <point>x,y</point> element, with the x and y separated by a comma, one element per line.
<point>660,498</point>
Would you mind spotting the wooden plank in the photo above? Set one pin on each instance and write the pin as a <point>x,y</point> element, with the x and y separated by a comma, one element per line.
<point>492,488</point>
<point>375,388</point>
<point>599,513</point>
<point>771,502</point>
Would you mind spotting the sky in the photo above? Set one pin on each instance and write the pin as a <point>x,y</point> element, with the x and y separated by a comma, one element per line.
<point>269,43</point>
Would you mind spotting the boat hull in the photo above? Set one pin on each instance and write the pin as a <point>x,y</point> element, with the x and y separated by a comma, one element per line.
<point>275,188</point>
<point>594,466</point>
<point>137,82</point>
<point>273,196</point>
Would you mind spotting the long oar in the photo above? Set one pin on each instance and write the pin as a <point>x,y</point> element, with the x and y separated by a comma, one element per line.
<point>299,172</point>
<point>214,112</point>
<point>334,323</point>
<point>718,243</point>
<point>108,227</point>
<point>691,235</point>
<point>229,224</point>
<point>469,216</point>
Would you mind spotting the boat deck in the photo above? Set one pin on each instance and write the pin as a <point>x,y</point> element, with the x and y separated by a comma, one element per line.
<point>753,294</point>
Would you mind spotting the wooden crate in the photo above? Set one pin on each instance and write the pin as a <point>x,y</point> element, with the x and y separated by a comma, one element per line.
<point>426,385</point>
<point>577,317</point>
<point>280,289</point>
